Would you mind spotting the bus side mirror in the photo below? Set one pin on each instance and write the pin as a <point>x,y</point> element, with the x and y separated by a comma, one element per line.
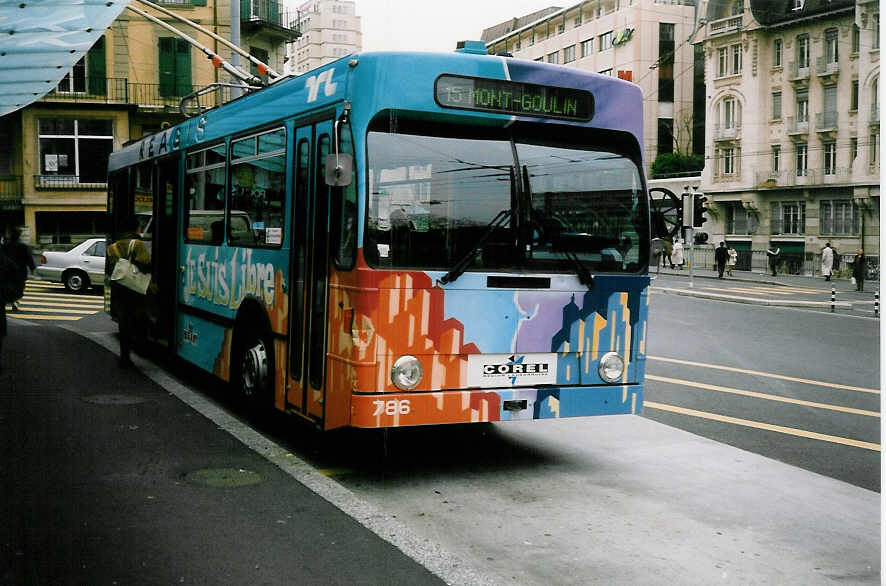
<point>339,169</point>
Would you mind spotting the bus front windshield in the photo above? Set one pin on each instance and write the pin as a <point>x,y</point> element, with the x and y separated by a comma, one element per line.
<point>505,201</point>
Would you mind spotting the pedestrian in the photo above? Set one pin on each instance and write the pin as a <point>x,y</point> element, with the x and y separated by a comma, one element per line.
<point>8,288</point>
<point>19,253</point>
<point>677,254</point>
<point>827,261</point>
<point>858,270</point>
<point>721,255</point>
<point>131,307</point>
<point>773,252</point>
<point>733,260</point>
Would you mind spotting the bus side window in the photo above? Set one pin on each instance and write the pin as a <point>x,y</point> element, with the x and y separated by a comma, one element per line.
<point>346,210</point>
<point>205,193</point>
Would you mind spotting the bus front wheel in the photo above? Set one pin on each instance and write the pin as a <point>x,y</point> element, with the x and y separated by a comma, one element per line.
<point>255,368</point>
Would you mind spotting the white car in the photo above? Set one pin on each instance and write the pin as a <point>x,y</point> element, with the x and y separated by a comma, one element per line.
<point>78,269</point>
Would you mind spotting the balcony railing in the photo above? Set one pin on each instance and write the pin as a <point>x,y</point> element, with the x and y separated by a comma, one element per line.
<point>146,95</point>
<point>268,14</point>
<point>724,132</point>
<point>825,67</point>
<point>796,127</point>
<point>875,114</point>
<point>68,182</point>
<point>725,25</point>
<point>789,177</point>
<point>798,73</point>
<point>10,192</point>
<point>826,121</point>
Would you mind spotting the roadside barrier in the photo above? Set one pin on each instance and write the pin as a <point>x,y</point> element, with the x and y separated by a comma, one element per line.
<point>833,298</point>
<point>877,304</point>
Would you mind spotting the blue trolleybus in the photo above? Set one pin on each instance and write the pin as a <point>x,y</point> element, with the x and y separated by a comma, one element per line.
<point>404,239</point>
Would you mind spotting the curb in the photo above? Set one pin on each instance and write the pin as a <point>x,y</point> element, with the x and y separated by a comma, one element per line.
<point>752,301</point>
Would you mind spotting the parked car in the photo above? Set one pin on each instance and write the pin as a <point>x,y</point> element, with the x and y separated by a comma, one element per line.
<point>78,269</point>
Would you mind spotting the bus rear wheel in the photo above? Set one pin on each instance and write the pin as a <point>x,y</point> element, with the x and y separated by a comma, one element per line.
<point>255,369</point>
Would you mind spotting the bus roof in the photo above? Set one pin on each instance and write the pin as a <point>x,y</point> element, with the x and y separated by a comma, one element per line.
<point>401,81</point>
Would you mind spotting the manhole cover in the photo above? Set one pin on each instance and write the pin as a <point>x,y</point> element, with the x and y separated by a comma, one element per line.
<point>114,399</point>
<point>224,477</point>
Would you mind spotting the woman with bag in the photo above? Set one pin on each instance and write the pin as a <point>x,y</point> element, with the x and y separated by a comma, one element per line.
<point>131,304</point>
<point>858,270</point>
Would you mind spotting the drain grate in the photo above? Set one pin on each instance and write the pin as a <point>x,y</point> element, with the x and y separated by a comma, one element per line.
<point>224,477</point>
<point>111,399</point>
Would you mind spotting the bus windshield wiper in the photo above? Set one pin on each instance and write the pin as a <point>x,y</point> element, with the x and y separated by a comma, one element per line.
<point>461,266</point>
<point>584,275</point>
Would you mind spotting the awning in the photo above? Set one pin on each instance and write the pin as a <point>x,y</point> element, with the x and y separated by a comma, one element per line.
<point>41,40</point>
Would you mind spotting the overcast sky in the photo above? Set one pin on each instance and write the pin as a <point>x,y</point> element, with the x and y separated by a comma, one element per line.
<point>427,25</point>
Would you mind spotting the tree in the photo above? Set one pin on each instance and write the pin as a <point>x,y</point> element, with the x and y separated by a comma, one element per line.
<point>670,164</point>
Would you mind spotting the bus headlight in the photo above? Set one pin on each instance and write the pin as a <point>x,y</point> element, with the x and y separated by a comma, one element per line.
<point>406,373</point>
<point>612,367</point>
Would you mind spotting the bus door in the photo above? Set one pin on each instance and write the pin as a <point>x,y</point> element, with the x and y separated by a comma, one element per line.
<point>164,249</point>
<point>309,270</point>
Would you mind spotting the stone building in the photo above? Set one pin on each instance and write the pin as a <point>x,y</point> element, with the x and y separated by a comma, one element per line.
<point>330,30</point>
<point>54,153</point>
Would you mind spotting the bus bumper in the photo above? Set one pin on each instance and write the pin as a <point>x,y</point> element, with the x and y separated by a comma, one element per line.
<point>490,405</point>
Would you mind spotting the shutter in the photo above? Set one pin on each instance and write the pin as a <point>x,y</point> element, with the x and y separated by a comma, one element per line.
<point>166,66</point>
<point>182,68</point>
<point>96,69</point>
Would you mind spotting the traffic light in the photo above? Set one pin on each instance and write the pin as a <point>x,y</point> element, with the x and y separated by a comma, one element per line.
<point>699,209</point>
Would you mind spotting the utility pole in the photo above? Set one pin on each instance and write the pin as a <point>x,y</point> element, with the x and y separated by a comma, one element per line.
<point>688,224</point>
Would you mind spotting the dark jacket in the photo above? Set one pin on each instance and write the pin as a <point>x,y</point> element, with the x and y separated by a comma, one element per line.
<point>858,267</point>
<point>721,255</point>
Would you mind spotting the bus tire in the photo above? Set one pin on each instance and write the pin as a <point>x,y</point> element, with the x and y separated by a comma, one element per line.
<point>254,368</point>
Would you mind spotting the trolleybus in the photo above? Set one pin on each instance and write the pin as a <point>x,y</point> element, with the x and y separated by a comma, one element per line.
<point>400,239</point>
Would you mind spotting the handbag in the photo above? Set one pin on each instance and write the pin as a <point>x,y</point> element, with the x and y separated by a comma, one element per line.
<point>128,275</point>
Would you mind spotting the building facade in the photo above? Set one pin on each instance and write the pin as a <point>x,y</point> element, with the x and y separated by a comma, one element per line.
<point>792,140</point>
<point>54,153</point>
<point>330,30</point>
<point>647,42</point>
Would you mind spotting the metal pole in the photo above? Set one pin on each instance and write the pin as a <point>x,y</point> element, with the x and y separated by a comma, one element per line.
<point>877,303</point>
<point>833,298</point>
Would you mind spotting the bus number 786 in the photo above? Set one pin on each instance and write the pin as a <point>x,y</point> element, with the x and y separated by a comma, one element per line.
<point>392,407</point>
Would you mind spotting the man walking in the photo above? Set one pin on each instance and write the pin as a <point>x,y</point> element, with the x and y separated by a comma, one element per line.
<point>773,252</point>
<point>827,261</point>
<point>721,255</point>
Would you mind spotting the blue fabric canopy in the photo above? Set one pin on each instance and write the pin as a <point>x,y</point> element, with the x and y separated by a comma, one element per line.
<point>41,40</point>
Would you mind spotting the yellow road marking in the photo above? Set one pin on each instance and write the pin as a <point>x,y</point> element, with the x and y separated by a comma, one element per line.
<point>51,310</point>
<point>52,317</point>
<point>748,291</point>
<point>65,298</point>
<point>760,425</point>
<point>766,374</point>
<point>768,397</point>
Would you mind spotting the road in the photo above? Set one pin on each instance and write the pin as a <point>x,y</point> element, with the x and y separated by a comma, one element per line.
<point>666,497</point>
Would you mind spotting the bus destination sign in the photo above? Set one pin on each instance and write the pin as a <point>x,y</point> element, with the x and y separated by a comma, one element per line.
<point>515,98</point>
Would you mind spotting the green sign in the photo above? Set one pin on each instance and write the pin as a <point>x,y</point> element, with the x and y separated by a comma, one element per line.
<point>514,98</point>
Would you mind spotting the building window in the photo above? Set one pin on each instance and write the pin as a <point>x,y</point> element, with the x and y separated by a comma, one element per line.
<point>665,62</point>
<point>788,217</point>
<point>830,45</point>
<point>736,59</point>
<point>853,149</point>
<point>802,159</point>
<point>776,158</point>
<point>261,55</point>
<point>729,60</point>
<point>722,62</point>
<point>776,105</point>
<point>853,96</point>
<point>875,43</point>
<point>729,161</point>
<point>802,106</point>
<point>605,41</point>
<point>803,52</point>
<point>569,54</point>
<point>776,52</point>
<point>856,38</point>
<point>738,220</point>
<point>88,74</point>
<point>577,22</point>
<point>839,217</point>
<point>729,113</point>
<point>76,149</point>
<point>665,135</point>
<point>587,47</point>
<point>830,158</point>
<point>175,67</point>
<point>874,158</point>
<point>554,57</point>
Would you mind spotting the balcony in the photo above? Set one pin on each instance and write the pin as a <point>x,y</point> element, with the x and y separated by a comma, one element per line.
<point>68,182</point>
<point>798,75</point>
<point>826,124</point>
<point>151,96</point>
<point>789,177</point>
<point>875,115</point>
<point>723,132</point>
<point>724,26</point>
<point>268,17</point>
<point>796,129</point>
<point>11,192</point>
<point>828,70</point>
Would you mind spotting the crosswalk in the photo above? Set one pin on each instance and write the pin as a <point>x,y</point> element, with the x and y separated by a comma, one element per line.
<point>48,301</point>
<point>766,290</point>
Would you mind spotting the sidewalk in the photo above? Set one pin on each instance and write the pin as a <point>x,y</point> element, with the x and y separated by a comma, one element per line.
<point>109,478</point>
<point>812,292</point>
